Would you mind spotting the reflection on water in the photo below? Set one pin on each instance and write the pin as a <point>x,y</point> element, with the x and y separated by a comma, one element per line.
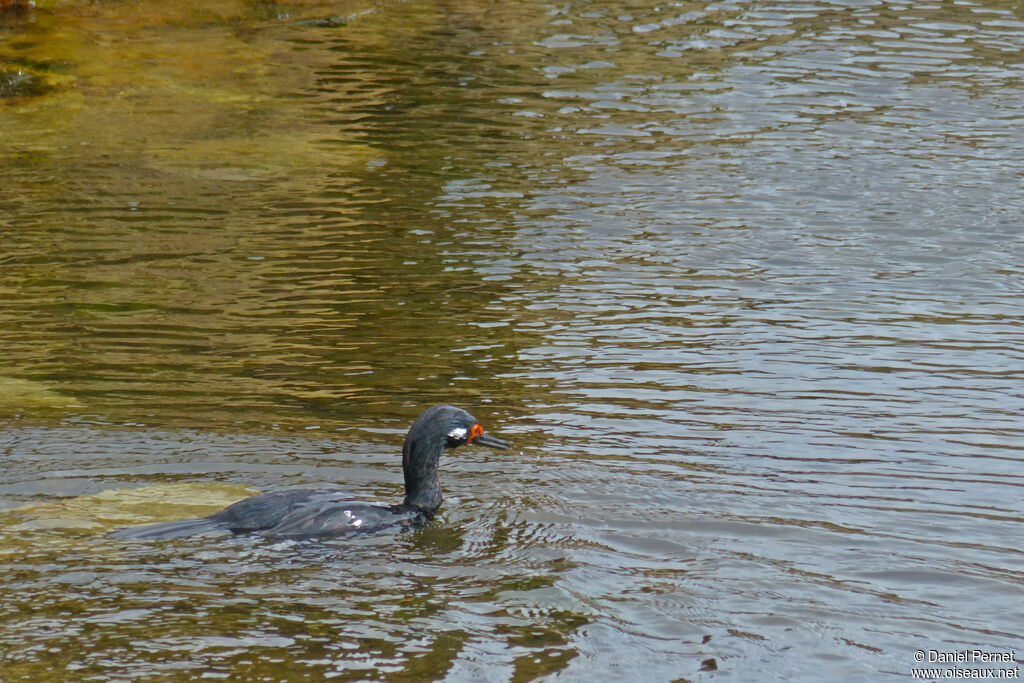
<point>742,283</point>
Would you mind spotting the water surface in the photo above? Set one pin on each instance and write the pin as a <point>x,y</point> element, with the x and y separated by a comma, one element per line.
<point>741,282</point>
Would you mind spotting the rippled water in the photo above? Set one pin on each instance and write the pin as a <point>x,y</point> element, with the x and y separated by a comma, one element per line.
<point>741,281</point>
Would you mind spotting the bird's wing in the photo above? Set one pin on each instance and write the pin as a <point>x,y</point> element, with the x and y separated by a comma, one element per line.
<point>267,510</point>
<point>333,517</point>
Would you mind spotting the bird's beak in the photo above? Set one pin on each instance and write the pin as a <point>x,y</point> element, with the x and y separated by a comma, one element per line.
<point>490,441</point>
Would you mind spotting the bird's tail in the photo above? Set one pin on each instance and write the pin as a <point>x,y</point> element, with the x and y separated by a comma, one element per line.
<point>163,530</point>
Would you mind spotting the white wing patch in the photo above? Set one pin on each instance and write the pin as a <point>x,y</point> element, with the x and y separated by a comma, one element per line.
<point>458,433</point>
<point>356,522</point>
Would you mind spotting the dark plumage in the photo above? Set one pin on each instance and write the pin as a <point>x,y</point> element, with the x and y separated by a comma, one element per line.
<point>292,513</point>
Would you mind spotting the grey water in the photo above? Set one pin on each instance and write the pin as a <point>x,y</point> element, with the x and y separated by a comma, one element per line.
<point>742,282</point>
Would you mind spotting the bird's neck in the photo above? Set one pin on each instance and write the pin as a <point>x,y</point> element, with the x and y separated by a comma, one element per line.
<point>422,484</point>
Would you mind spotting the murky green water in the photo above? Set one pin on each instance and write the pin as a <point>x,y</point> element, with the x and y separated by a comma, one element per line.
<point>741,281</point>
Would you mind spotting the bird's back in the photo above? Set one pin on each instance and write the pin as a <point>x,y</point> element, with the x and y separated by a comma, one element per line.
<point>290,513</point>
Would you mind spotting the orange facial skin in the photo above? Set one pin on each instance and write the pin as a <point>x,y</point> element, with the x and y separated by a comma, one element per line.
<point>476,431</point>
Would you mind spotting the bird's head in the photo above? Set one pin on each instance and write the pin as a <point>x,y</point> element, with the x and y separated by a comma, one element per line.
<point>446,426</point>
<point>440,427</point>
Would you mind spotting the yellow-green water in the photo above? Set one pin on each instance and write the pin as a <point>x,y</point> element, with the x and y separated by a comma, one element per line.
<point>741,282</point>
